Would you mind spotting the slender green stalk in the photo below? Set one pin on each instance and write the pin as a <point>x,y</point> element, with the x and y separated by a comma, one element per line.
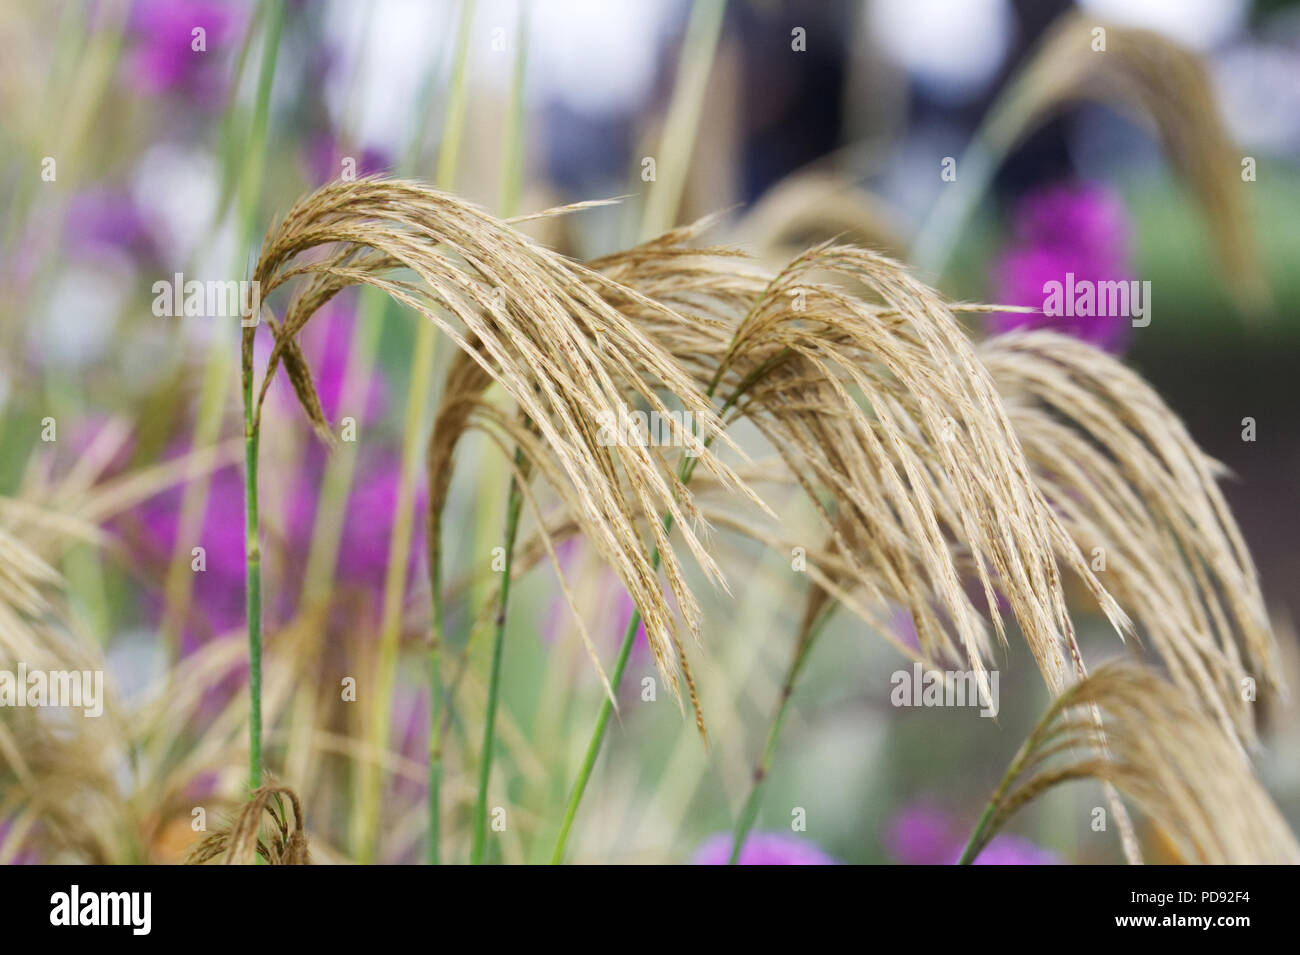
<point>514,506</point>
<point>435,721</point>
<point>987,825</point>
<point>745,821</point>
<point>336,483</point>
<point>362,352</point>
<point>942,228</point>
<point>624,651</point>
<point>602,721</point>
<point>367,817</point>
<point>253,582</point>
<point>629,636</point>
<point>251,190</point>
<point>366,830</point>
<point>679,139</point>
<point>976,841</point>
<point>374,313</point>
<point>230,144</point>
<point>511,182</point>
<point>453,127</point>
<point>512,161</point>
<point>216,378</point>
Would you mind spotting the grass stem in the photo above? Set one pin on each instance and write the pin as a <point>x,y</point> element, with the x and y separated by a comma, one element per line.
<point>602,722</point>
<point>253,582</point>
<point>250,193</point>
<point>607,706</point>
<point>745,821</point>
<point>366,833</point>
<point>514,506</point>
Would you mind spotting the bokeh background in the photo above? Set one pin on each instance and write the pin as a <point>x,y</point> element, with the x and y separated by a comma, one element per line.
<point>155,143</point>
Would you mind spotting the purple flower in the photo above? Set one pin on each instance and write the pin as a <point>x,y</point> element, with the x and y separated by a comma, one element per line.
<point>921,835</point>
<point>623,610</point>
<point>1081,230</point>
<point>1012,850</point>
<point>162,56</point>
<point>324,159</point>
<point>218,592</point>
<point>368,524</point>
<point>762,848</point>
<point>103,218</point>
<point>327,343</point>
<point>926,835</point>
<point>612,622</point>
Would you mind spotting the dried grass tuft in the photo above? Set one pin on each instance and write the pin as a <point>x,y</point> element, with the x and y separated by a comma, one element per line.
<point>1125,476</point>
<point>861,378</point>
<point>1161,83</point>
<point>1188,777</point>
<point>531,322</point>
<point>244,839</point>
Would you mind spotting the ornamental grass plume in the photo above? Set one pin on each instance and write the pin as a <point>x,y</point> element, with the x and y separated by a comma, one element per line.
<point>1136,493</point>
<point>119,787</point>
<point>57,775</point>
<point>1140,73</point>
<point>928,458</point>
<point>528,318</point>
<point>1100,458</point>
<point>244,840</point>
<point>1189,778</point>
<point>873,396</point>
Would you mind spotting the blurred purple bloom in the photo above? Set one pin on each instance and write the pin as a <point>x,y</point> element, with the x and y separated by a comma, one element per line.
<point>218,594</point>
<point>325,157</point>
<point>923,834</point>
<point>162,57</point>
<point>614,626</point>
<point>1012,850</point>
<point>104,218</point>
<point>762,848</point>
<point>368,524</point>
<point>203,785</point>
<point>327,342</point>
<point>1081,229</point>
<point>623,610</point>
